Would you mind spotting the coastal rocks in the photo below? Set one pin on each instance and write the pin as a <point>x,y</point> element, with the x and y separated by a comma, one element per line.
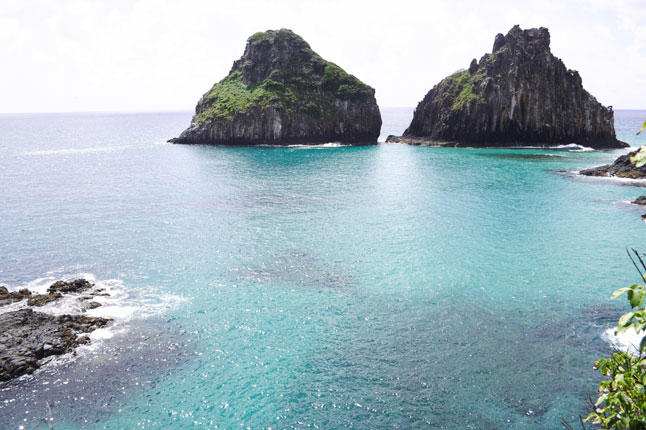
<point>282,92</point>
<point>520,94</point>
<point>75,286</point>
<point>54,292</point>
<point>631,166</point>
<point>43,299</point>
<point>27,336</point>
<point>7,297</point>
<point>641,200</point>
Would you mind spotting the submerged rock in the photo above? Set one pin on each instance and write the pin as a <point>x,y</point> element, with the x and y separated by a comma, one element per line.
<point>631,166</point>
<point>27,337</point>
<point>520,94</point>
<point>282,92</point>
<point>641,200</point>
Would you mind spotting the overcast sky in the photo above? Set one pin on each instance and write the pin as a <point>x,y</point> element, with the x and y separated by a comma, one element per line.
<point>141,55</point>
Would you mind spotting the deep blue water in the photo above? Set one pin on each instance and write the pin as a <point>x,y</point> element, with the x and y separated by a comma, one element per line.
<point>372,287</point>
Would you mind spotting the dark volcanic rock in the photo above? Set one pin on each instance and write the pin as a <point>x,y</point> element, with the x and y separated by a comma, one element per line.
<point>282,92</point>
<point>7,297</point>
<point>27,337</point>
<point>632,166</point>
<point>641,200</point>
<point>75,286</point>
<point>43,299</point>
<point>520,94</point>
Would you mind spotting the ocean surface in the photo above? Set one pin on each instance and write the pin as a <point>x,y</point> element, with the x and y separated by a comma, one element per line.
<point>376,287</point>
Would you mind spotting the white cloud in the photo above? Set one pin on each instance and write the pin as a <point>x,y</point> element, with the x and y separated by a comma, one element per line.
<point>74,55</point>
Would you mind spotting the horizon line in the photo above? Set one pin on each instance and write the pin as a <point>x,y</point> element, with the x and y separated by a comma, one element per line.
<point>185,110</point>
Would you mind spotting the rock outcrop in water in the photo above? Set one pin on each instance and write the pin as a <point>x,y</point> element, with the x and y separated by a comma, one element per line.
<point>282,92</point>
<point>631,166</point>
<point>520,94</point>
<point>27,337</point>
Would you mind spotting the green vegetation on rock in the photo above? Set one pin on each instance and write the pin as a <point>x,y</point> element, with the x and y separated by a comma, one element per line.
<point>461,88</point>
<point>271,36</point>
<point>346,86</point>
<point>298,88</point>
<point>231,96</point>
<point>281,91</point>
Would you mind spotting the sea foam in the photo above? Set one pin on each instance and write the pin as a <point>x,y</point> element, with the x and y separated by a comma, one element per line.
<point>627,341</point>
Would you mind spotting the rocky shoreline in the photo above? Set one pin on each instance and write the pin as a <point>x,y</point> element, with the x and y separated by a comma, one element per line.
<point>28,336</point>
<point>629,166</point>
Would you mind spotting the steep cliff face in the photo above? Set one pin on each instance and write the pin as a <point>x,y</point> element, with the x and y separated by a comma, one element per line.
<point>520,94</point>
<point>282,92</point>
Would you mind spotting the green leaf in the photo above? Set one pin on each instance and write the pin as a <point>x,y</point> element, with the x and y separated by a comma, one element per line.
<point>636,297</point>
<point>625,319</point>
<point>639,157</point>
<point>643,127</point>
<point>619,292</point>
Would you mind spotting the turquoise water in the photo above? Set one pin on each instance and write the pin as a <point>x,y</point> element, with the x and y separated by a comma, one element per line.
<point>371,287</point>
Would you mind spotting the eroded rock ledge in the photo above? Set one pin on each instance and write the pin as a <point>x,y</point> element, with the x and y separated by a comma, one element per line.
<point>27,337</point>
<point>518,95</point>
<point>630,166</point>
<point>282,92</point>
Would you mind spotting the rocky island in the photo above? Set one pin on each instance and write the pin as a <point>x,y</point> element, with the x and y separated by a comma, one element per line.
<point>282,92</point>
<point>518,95</point>
<point>28,336</point>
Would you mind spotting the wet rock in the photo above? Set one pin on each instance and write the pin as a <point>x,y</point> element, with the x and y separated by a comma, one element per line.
<point>520,94</point>
<point>43,299</point>
<point>631,166</point>
<point>282,92</point>
<point>641,200</point>
<point>7,297</point>
<point>75,286</point>
<point>27,337</point>
<point>93,305</point>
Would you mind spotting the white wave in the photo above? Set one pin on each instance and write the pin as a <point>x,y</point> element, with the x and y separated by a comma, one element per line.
<point>74,151</point>
<point>623,181</point>
<point>571,147</point>
<point>627,341</point>
<point>92,150</point>
<point>319,145</point>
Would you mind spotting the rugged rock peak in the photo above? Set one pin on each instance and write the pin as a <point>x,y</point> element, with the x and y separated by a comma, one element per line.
<point>533,40</point>
<point>520,94</point>
<point>281,91</point>
<point>281,52</point>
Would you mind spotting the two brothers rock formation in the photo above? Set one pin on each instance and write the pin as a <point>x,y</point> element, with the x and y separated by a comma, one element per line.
<point>280,92</point>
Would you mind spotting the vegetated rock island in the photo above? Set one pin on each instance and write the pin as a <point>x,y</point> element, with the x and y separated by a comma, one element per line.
<point>519,95</point>
<point>630,166</point>
<point>282,92</point>
<point>27,337</point>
